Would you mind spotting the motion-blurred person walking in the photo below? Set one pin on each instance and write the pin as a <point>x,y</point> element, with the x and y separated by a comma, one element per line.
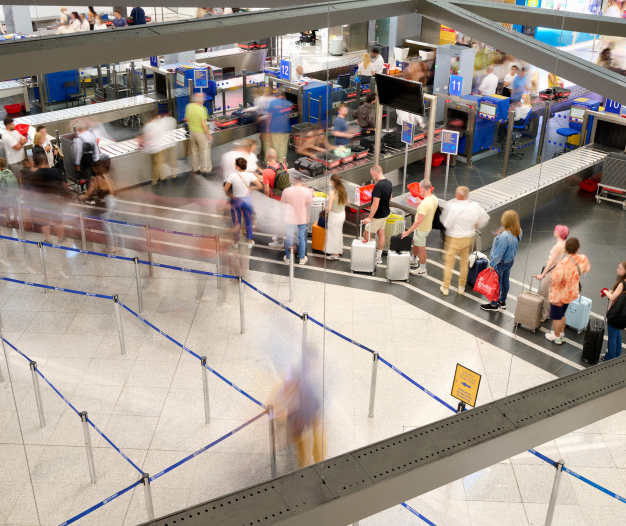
<point>160,150</point>
<point>196,116</point>
<point>237,186</point>
<point>279,111</point>
<point>14,143</point>
<point>9,192</point>
<point>273,171</point>
<point>86,151</point>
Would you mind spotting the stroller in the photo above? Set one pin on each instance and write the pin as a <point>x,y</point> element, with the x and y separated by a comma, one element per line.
<point>307,38</point>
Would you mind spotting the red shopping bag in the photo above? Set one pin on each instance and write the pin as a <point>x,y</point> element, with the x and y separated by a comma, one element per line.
<point>487,284</point>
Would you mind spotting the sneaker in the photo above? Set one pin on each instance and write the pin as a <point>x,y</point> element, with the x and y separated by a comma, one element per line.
<point>414,261</point>
<point>234,245</point>
<point>461,291</point>
<point>274,238</point>
<point>120,252</point>
<point>286,259</point>
<point>550,336</point>
<point>379,261</point>
<point>444,290</point>
<point>419,272</point>
<point>603,357</point>
<point>277,244</point>
<point>502,305</point>
<point>489,307</point>
<point>250,243</point>
<point>303,260</point>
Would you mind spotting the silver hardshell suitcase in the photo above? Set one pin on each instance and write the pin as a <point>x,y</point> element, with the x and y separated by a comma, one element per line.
<point>363,254</point>
<point>398,266</point>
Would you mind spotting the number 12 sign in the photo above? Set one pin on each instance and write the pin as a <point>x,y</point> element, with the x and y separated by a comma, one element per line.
<point>285,69</point>
<point>456,85</point>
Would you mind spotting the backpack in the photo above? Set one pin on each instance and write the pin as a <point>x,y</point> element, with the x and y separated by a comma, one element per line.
<point>8,182</point>
<point>88,151</point>
<point>616,316</point>
<point>437,224</point>
<point>281,180</point>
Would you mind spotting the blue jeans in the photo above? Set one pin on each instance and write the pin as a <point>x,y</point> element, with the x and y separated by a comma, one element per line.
<point>241,206</point>
<point>504,271</point>
<point>302,237</point>
<point>615,343</point>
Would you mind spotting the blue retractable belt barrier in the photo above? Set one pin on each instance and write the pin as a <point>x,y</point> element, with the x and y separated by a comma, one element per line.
<point>104,296</point>
<point>113,445</point>
<point>417,514</point>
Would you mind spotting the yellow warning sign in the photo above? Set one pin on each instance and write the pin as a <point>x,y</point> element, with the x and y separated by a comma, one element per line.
<point>466,384</point>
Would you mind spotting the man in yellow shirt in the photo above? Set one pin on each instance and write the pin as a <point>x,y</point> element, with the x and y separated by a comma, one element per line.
<point>200,138</point>
<point>422,227</point>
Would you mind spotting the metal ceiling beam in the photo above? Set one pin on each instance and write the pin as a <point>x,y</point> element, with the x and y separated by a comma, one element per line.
<point>351,487</point>
<point>574,69</point>
<point>537,17</point>
<point>56,53</point>
<point>263,4</point>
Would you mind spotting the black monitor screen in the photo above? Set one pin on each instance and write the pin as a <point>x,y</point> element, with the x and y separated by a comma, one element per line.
<point>400,93</point>
<point>344,81</point>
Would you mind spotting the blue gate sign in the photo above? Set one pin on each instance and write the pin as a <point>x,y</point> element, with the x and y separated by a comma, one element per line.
<point>154,62</point>
<point>201,78</point>
<point>407,132</point>
<point>449,142</point>
<point>285,69</point>
<point>456,85</point>
<point>613,107</point>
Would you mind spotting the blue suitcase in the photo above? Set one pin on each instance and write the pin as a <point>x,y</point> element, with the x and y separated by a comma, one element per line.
<point>577,314</point>
<point>472,273</point>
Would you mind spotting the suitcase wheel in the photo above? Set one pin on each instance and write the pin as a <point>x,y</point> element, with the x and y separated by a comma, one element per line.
<point>534,330</point>
<point>352,272</point>
<point>580,331</point>
<point>374,273</point>
<point>388,281</point>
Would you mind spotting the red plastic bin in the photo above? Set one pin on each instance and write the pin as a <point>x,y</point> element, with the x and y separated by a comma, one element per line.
<point>11,109</point>
<point>414,188</point>
<point>589,185</point>
<point>437,159</point>
<point>23,129</point>
<point>364,194</point>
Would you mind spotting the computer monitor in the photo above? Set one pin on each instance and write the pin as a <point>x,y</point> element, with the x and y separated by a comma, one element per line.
<point>365,79</point>
<point>344,81</point>
<point>487,111</point>
<point>400,93</point>
<point>577,113</point>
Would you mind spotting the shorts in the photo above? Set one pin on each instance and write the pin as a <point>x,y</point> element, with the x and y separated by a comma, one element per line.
<point>419,238</point>
<point>376,224</point>
<point>557,311</point>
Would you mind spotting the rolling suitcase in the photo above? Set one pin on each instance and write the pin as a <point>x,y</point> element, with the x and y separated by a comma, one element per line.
<point>528,309</point>
<point>319,238</point>
<point>393,139</point>
<point>398,266</point>
<point>480,264</point>
<point>577,314</point>
<point>592,344</point>
<point>399,244</point>
<point>363,254</point>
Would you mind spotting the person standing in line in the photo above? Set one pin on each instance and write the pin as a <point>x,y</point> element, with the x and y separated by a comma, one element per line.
<point>507,86</point>
<point>63,17</point>
<point>196,116</point>
<point>201,12</point>
<point>365,115</point>
<point>241,183</point>
<point>489,84</point>
<point>554,81</point>
<point>119,20</point>
<point>461,218</point>
<point>503,253</point>
<point>64,28</point>
<point>614,349</point>
<point>298,199</point>
<point>9,192</point>
<point>42,145</point>
<point>75,23</point>
<point>614,8</point>
<point>366,67</point>
<point>84,23</point>
<point>565,287</point>
<point>337,201</point>
<point>14,143</point>
<point>249,149</point>
<point>379,211</point>
<point>86,151</point>
<point>269,185</point>
<point>139,16</point>
<point>98,24</point>
<point>91,17</point>
<point>377,60</point>
<point>545,276</point>
<point>279,111</point>
<point>421,227</point>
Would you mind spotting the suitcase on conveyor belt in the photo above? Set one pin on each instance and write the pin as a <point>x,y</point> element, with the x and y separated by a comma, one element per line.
<point>313,167</point>
<point>363,254</point>
<point>330,160</point>
<point>393,139</point>
<point>528,309</point>
<point>245,117</point>
<point>360,152</point>
<point>226,120</point>
<point>554,93</point>
<point>369,141</point>
<point>348,158</point>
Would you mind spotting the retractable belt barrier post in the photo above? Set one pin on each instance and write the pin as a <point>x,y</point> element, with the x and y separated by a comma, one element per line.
<point>218,262</point>
<point>43,266</point>
<point>291,266</point>
<point>555,492</point>
<point>373,384</point>
<point>83,238</point>
<point>120,328</point>
<point>145,480</point>
<point>138,279</point>
<point>20,212</point>
<point>272,430</point>
<point>205,390</point>
<point>33,370</point>
<point>88,447</point>
<point>305,319</point>
<point>241,308</point>
<point>149,242</point>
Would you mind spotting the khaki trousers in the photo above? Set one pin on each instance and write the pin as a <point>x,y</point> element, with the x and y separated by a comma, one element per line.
<point>457,246</point>
<point>159,159</point>
<point>200,152</point>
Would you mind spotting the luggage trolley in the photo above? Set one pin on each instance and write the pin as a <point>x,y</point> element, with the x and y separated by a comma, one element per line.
<point>612,185</point>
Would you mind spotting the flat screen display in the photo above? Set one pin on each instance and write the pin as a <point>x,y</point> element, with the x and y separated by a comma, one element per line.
<point>487,109</point>
<point>400,93</point>
<point>576,112</point>
<point>180,79</point>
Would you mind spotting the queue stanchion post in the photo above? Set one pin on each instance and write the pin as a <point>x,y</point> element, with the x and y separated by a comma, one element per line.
<point>373,384</point>
<point>42,262</point>
<point>33,370</point>
<point>205,390</point>
<point>147,490</point>
<point>461,407</point>
<point>305,319</point>
<point>120,328</point>
<point>507,147</point>
<point>291,271</point>
<point>4,351</point>
<point>88,447</point>
<point>272,430</point>
<point>83,237</point>
<point>138,280</point>
<point>20,213</point>
<point>149,242</point>
<point>242,318</point>
<point>218,262</point>
<point>555,492</point>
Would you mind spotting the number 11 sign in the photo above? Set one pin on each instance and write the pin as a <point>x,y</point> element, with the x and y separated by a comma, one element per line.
<point>456,85</point>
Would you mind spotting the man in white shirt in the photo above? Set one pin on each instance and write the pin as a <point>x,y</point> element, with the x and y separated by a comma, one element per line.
<point>86,151</point>
<point>508,81</point>
<point>377,60</point>
<point>489,84</point>
<point>63,18</point>
<point>14,143</point>
<point>461,218</point>
<point>160,149</point>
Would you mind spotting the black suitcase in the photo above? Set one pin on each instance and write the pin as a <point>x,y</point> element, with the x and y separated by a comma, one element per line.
<point>368,142</point>
<point>245,117</point>
<point>313,167</point>
<point>393,139</point>
<point>592,344</point>
<point>400,244</point>
<point>472,274</point>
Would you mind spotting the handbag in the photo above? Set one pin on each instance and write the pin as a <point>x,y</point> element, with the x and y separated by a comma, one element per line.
<point>488,285</point>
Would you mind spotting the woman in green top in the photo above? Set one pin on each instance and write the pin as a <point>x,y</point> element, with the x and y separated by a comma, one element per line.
<point>9,190</point>
<point>337,201</point>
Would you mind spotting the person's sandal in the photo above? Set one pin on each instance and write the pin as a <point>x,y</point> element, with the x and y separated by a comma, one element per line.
<point>333,258</point>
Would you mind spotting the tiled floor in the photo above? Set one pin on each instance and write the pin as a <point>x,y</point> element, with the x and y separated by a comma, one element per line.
<point>149,402</point>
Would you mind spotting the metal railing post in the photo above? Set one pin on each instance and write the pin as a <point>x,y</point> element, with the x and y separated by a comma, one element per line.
<point>205,389</point>
<point>241,308</point>
<point>373,384</point>
<point>21,219</point>
<point>33,367</point>
<point>291,270</point>
<point>244,78</point>
<point>432,118</point>
<point>120,328</point>
<point>507,148</point>
<point>149,241</point>
<point>379,127</point>
<point>542,136</point>
<point>145,480</point>
<point>83,237</point>
<point>138,279</point>
<point>88,446</point>
<point>555,492</point>
<point>305,319</point>
<point>42,261</point>
<point>218,262</point>
<point>270,421</point>
<point>223,102</point>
